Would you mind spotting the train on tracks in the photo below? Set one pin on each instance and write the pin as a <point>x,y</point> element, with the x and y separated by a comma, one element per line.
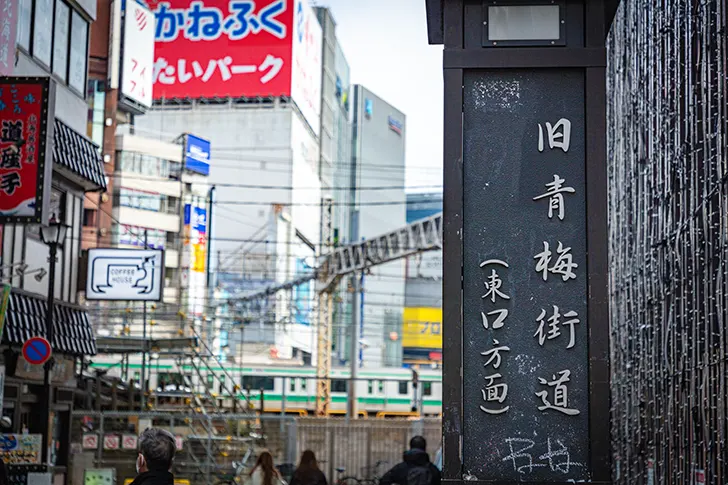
<point>381,392</point>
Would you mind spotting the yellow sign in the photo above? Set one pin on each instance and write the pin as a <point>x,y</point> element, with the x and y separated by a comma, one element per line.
<point>199,254</point>
<point>422,328</point>
<point>177,481</point>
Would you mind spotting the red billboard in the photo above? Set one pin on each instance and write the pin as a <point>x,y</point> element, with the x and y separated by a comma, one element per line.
<point>25,142</point>
<point>222,48</point>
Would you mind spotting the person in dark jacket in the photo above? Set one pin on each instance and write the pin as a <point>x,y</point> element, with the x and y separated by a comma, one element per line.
<point>308,472</point>
<point>415,469</point>
<point>154,461</point>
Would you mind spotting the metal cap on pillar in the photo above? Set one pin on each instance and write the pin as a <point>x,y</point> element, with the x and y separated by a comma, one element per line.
<point>525,297</point>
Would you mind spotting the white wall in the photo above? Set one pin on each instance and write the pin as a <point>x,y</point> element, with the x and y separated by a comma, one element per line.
<point>249,146</point>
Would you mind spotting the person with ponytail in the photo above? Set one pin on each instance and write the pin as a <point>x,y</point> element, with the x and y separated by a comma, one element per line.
<point>264,473</point>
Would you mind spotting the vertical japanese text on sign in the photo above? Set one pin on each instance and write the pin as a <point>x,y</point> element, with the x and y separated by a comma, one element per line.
<point>138,61</point>
<point>525,350</point>
<point>24,171</point>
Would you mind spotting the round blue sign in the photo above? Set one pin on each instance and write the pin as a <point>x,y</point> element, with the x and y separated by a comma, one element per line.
<point>37,350</point>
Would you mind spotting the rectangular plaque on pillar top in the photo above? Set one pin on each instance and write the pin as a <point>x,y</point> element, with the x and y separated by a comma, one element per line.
<point>525,344</point>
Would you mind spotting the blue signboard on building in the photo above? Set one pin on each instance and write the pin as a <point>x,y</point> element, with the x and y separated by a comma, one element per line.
<point>197,155</point>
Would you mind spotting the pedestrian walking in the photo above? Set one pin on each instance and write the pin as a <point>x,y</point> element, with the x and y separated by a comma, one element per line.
<point>264,472</point>
<point>154,461</point>
<point>308,472</point>
<point>415,469</point>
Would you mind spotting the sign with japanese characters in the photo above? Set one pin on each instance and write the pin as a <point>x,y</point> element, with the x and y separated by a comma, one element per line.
<point>525,342</point>
<point>20,449</point>
<point>8,29</point>
<point>422,328</point>
<point>218,48</point>
<point>138,54</point>
<point>26,127</point>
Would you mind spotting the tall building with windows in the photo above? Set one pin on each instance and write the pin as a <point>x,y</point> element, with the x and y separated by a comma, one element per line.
<point>151,199</point>
<point>44,132</point>
<point>156,203</point>
<point>377,160</point>
<point>277,134</point>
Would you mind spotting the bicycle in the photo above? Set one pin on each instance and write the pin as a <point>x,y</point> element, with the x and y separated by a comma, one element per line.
<point>345,480</point>
<point>374,473</point>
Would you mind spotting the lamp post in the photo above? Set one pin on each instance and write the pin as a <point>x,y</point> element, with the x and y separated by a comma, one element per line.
<point>52,235</point>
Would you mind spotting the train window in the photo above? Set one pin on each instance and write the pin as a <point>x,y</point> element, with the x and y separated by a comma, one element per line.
<point>338,385</point>
<point>293,385</point>
<point>370,386</point>
<point>427,388</point>
<point>403,387</point>
<point>210,381</point>
<point>255,383</point>
<point>381,387</point>
<point>222,384</point>
<point>303,384</point>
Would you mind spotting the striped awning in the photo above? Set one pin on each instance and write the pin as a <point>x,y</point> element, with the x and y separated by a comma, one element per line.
<point>26,316</point>
<point>79,156</point>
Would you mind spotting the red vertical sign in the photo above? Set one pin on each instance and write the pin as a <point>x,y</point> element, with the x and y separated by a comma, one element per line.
<point>25,130</point>
<point>8,34</point>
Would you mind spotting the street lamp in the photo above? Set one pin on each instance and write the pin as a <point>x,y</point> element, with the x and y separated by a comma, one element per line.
<point>52,235</point>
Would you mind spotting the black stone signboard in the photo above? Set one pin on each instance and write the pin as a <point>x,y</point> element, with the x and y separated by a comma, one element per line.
<point>525,342</point>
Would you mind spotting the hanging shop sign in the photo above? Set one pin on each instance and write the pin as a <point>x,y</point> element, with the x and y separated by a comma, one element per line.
<point>26,129</point>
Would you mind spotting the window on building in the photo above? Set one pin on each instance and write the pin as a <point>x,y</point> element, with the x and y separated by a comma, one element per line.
<point>134,236</point>
<point>96,98</point>
<point>25,14</point>
<point>89,217</point>
<point>137,199</point>
<point>255,383</point>
<point>427,388</point>
<point>144,164</point>
<point>43,31</point>
<point>338,385</point>
<point>403,387</point>
<point>78,53</point>
<point>60,40</point>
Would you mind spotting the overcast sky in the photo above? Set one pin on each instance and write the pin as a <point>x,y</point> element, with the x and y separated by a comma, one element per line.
<point>385,42</point>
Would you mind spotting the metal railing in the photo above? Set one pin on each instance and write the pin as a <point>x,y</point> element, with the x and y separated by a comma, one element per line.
<point>210,444</point>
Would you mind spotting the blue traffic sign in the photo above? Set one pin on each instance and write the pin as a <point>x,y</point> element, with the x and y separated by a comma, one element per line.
<point>37,350</point>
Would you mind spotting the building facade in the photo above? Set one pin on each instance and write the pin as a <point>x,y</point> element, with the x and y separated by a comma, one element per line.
<point>52,45</point>
<point>277,148</point>
<point>377,205</point>
<point>422,320</point>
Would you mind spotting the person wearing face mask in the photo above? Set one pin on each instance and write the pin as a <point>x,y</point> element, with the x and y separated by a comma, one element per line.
<point>154,461</point>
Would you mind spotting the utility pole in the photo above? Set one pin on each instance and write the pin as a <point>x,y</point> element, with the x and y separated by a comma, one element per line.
<point>143,386</point>
<point>352,411</point>
<point>208,272</point>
